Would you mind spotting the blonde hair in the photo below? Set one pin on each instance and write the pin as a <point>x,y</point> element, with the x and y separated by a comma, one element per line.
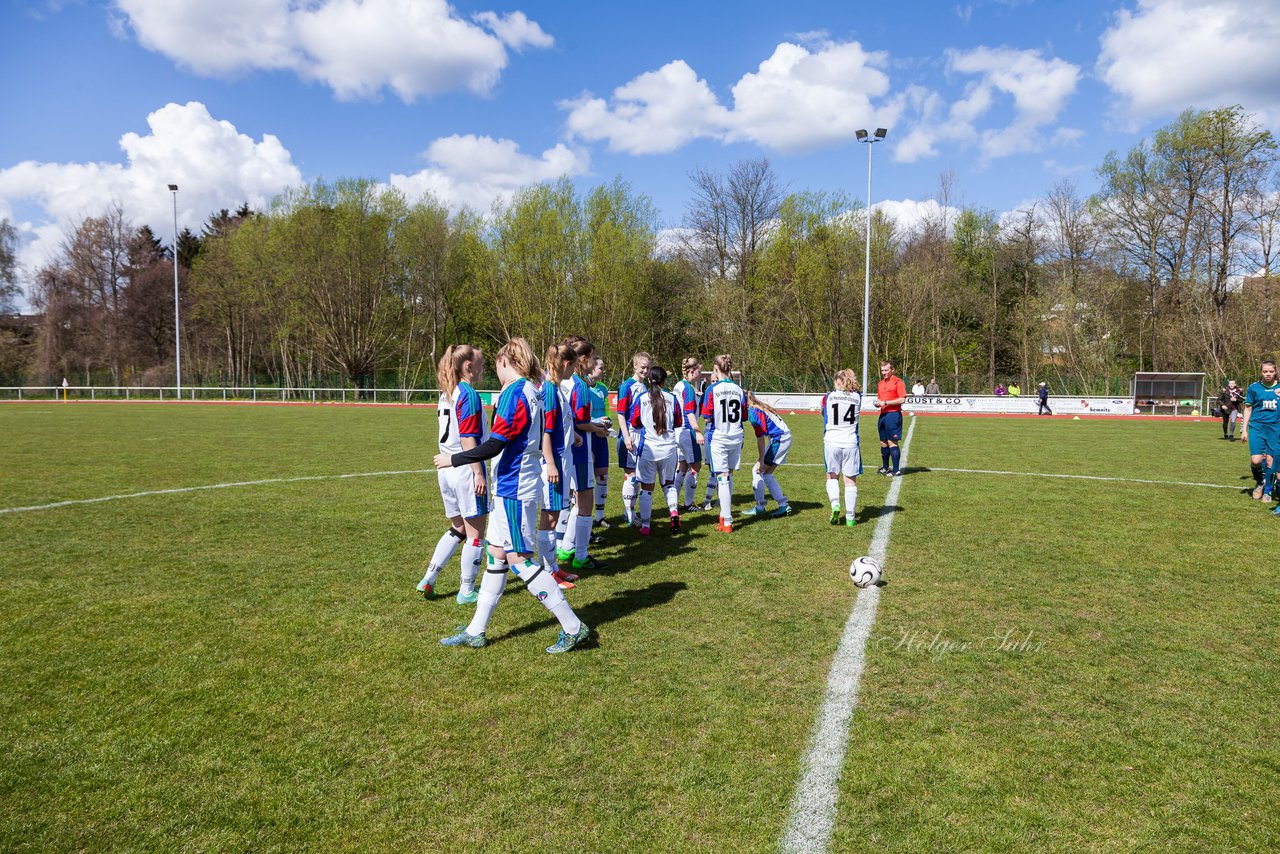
<point>518,352</point>
<point>449,370</point>
<point>558,355</point>
<point>724,364</point>
<point>847,380</point>
<point>689,363</point>
<point>752,400</point>
<point>635,360</point>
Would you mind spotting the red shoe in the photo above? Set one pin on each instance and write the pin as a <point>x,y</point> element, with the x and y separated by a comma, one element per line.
<point>644,530</point>
<point>562,578</point>
<point>724,527</point>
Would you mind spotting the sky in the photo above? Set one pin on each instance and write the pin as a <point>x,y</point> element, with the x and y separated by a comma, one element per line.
<point>109,102</point>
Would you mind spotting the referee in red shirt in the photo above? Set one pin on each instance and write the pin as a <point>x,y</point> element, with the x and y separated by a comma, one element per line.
<point>891,393</point>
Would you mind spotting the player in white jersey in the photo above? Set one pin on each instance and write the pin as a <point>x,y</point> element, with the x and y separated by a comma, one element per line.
<point>724,408</point>
<point>655,419</point>
<point>840,449</point>
<point>516,440</point>
<point>465,490</point>
<point>689,456</point>
<point>626,446</point>
<point>576,534</point>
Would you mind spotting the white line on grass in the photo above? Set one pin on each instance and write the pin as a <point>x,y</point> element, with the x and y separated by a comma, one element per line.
<point>813,809</point>
<point>1064,476</point>
<point>210,486</point>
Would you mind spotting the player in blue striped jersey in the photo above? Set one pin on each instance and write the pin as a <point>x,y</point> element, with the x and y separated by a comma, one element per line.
<point>577,531</point>
<point>600,444</point>
<point>557,433</point>
<point>773,440</point>
<point>516,441</point>
<point>689,457</point>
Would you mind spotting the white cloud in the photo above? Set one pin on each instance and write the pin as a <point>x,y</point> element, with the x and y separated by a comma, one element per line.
<point>911,214</point>
<point>798,99</point>
<point>1168,55</point>
<point>474,171</point>
<point>213,164</point>
<point>1038,87</point>
<point>357,47</point>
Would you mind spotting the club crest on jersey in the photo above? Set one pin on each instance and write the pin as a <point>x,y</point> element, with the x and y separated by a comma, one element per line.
<point>542,597</point>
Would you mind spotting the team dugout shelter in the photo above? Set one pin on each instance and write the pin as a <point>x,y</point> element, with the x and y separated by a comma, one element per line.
<point>1165,391</point>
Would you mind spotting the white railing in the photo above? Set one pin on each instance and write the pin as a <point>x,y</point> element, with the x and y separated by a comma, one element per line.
<point>226,393</point>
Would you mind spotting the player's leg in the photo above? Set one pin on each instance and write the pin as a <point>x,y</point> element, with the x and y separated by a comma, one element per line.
<point>504,533</point>
<point>850,468</point>
<point>882,429</point>
<point>472,557</point>
<point>774,457</point>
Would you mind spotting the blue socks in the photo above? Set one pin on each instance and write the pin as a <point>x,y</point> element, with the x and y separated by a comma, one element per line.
<point>895,454</point>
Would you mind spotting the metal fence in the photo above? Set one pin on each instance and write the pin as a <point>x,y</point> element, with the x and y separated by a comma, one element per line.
<point>259,394</point>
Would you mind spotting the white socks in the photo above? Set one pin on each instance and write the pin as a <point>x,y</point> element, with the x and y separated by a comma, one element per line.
<point>445,548</point>
<point>690,485</point>
<point>547,550</point>
<point>602,497</point>
<point>757,488</point>
<point>775,490</point>
<point>583,539</point>
<point>726,497</point>
<point>569,542</point>
<point>673,498</point>
<point>628,496</point>
<point>850,501</point>
<point>491,587</point>
<point>711,488</point>
<point>472,560</point>
<point>833,492</point>
<point>646,507</point>
<point>545,589</point>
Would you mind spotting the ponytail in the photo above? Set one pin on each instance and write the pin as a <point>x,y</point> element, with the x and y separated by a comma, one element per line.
<point>449,370</point>
<point>752,400</point>
<point>724,364</point>
<point>520,355</point>
<point>657,376</point>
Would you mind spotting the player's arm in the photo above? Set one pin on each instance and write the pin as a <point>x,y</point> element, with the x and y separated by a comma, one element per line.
<point>468,437</point>
<point>486,451</point>
<point>549,458</point>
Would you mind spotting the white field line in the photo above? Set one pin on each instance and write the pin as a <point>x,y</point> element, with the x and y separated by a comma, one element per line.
<point>813,808</point>
<point>210,486</point>
<point>1065,476</point>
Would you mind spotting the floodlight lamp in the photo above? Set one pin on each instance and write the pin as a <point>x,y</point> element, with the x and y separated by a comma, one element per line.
<point>881,133</point>
<point>862,135</point>
<point>173,188</point>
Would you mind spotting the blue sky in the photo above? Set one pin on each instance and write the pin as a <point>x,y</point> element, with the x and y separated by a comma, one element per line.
<point>110,101</point>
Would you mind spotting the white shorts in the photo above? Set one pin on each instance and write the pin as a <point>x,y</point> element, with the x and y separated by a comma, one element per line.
<point>659,470</point>
<point>513,525</point>
<point>724,456</point>
<point>843,460</point>
<point>776,455</point>
<point>458,489</point>
<point>553,497</point>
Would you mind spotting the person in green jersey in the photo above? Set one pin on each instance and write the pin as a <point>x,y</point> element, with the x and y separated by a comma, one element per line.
<point>1261,429</point>
<point>600,444</point>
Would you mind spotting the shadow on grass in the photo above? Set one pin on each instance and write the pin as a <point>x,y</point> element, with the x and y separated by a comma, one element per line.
<point>797,507</point>
<point>869,513</point>
<point>618,605</point>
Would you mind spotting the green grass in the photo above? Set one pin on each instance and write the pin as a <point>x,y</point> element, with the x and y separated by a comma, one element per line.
<point>250,669</point>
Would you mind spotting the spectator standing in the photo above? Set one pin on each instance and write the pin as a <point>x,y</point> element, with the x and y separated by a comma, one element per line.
<point>917,388</point>
<point>1042,394</point>
<point>932,387</point>
<point>1230,403</point>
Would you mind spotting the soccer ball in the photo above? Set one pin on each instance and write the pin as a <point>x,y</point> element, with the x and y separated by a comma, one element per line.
<point>865,572</point>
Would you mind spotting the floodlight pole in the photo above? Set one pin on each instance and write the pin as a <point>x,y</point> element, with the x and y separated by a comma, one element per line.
<point>177,326</point>
<point>863,136</point>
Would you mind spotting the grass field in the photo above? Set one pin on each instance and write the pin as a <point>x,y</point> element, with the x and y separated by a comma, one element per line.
<point>1056,664</point>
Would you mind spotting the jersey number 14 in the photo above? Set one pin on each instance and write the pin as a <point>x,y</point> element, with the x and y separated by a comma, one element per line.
<point>850,414</point>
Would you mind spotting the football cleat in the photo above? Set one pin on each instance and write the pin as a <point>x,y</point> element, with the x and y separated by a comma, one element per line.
<point>567,642</point>
<point>835,515</point>
<point>464,639</point>
<point>675,524</point>
<point>562,578</point>
<point>752,512</point>
<point>724,527</point>
<point>882,470</point>
<point>589,564</point>
<point>850,522</point>
<point>1266,498</point>
<point>709,506</point>
<point>564,555</point>
<point>468,598</point>
<point>784,510</point>
<point>644,530</point>
<point>1276,512</point>
<point>427,589</point>
<point>1257,492</point>
<point>604,523</point>
<point>596,539</point>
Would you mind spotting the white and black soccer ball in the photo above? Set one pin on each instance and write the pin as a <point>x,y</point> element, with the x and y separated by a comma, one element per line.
<point>865,572</point>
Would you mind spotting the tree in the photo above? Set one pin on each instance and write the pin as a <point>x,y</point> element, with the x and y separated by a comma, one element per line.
<point>9,291</point>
